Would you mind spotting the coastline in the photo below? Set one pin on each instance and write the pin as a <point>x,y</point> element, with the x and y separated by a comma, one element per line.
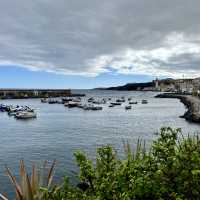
<point>192,104</point>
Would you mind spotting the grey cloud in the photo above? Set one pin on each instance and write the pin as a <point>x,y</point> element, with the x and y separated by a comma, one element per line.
<point>85,37</point>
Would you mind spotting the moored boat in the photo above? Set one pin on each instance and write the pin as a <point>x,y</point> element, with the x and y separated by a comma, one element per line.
<point>3,108</point>
<point>44,100</point>
<point>116,103</point>
<point>133,102</point>
<point>128,107</point>
<point>25,115</point>
<point>120,100</point>
<point>72,104</point>
<point>97,108</point>
<point>92,107</point>
<point>144,101</point>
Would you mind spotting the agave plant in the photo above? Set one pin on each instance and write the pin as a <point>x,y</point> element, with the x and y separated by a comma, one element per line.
<point>3,197</point>
<point>29,186</point>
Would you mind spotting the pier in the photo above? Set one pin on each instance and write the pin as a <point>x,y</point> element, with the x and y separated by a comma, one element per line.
<point>33,93</point>
<point>192,104</point>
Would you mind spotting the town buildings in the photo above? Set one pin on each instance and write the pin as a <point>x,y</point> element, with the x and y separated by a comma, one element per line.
<point>186,86</point>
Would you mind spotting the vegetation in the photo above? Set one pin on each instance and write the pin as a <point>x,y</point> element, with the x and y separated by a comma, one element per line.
<point>29,187</point>
<point>169,170</point>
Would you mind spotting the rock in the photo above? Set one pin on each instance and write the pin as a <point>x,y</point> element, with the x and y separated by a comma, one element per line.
<point>83,186</point>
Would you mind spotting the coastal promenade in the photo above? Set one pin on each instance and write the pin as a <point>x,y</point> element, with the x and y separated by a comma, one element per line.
<point>192,104</point>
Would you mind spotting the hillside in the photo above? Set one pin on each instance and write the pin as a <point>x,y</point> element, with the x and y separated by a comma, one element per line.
<point>132,86</point>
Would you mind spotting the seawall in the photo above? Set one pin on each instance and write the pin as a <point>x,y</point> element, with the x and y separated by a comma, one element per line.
<point>192,104</point>
<point>33,93</point>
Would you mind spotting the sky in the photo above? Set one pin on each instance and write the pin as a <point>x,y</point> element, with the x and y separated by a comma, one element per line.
<point>92,43</point>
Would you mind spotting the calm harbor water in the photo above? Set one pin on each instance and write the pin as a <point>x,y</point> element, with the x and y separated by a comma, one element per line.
<point>58,131</point>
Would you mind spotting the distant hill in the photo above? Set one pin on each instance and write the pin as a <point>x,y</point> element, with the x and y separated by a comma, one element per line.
<point>132,86</point>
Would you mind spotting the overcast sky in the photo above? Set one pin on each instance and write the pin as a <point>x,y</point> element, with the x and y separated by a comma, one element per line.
<point>93,37</point>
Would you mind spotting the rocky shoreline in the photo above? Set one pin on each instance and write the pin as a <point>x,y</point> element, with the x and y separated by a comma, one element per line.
<point>192,104</point>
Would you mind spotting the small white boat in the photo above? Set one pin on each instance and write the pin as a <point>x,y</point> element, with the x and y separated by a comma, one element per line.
<point>25,115</point>
<point>72,104</point>
<point>103,101</point>
<point>92,107</point>
<point>77,100</point>
<point>14,110</point>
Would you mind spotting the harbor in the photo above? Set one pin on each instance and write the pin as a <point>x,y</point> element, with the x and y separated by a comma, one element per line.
<point>92,103</point>
<point>59,130</point>
<point>82,102</point>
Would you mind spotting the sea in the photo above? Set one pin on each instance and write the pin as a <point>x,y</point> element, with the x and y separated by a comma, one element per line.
<point>58,131</point>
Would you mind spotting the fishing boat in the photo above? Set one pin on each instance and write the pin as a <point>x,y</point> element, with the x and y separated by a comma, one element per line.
<point>103,101</point>
<point>133,102</point>
<point>96,108</point>
<point>120,100</point>
<point>144,101</point>
<point>3,108</point>
<point>128,107</point>
<point>72,104</point>
<point>44,100</point>
<point>25,115</point>
<point>66,100</point>
<point>77,100</point>
<point>116,103</point>
<point>28,109</point>
<point>92,107</point>
<point>14,110</point>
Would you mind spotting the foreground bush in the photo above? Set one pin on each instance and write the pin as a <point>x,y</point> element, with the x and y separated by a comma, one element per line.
<point>169,170</point>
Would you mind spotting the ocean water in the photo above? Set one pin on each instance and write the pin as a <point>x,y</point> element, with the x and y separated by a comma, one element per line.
<point>59,131</point>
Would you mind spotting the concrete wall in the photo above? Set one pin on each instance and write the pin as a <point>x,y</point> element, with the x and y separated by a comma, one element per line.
<point>33,93</point>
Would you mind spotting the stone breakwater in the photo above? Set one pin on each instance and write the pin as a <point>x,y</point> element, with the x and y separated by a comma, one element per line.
<point>192,104</point>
